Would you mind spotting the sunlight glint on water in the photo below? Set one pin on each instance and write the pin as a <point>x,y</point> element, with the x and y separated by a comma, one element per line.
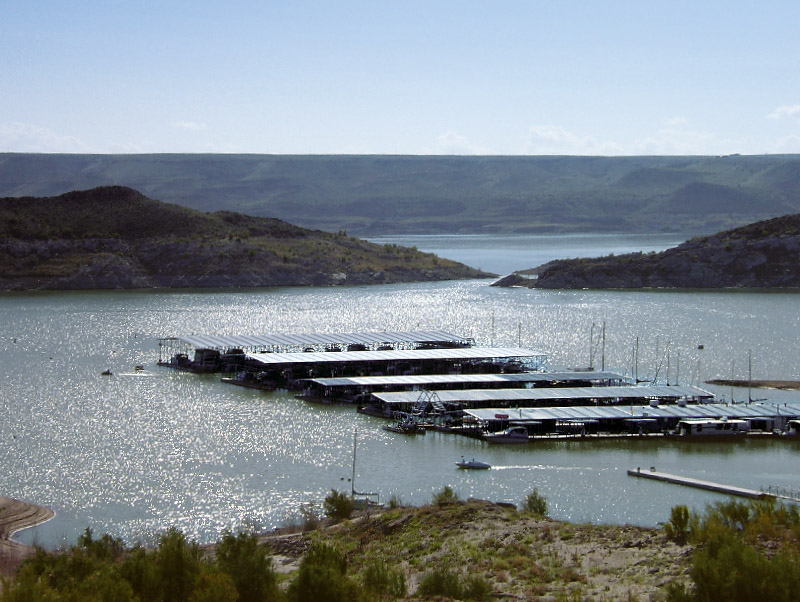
<point>135,453</point>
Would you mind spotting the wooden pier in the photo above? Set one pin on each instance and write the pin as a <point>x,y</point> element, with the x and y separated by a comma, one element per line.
<point>701,484</point>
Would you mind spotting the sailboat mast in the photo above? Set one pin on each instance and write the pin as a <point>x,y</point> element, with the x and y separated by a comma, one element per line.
<point>353,479</point>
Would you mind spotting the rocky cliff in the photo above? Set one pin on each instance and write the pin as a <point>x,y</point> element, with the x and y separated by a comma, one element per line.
<point>114,237</point>
<point>765,254</point>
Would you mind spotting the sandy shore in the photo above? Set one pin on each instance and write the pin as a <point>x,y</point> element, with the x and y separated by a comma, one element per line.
<point>14,516</point>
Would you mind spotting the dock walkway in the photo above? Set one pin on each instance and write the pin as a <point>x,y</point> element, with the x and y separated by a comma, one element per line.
<point>701,484</point>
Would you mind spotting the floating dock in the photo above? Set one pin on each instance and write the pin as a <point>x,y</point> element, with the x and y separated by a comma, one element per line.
<point>701,484</point>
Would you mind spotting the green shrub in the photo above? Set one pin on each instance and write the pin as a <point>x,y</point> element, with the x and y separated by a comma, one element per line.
<point>536,504</point>
<point>445,496</point>
<point>677,528</point>
<point>477,588</point>
<point>322,577</point>
<point>338,505</point>
<point>384,580</point>
<point>249,565</point>
<point>441,582</point>
<point>178,565</point>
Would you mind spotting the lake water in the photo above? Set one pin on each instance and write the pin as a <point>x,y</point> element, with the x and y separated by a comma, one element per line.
<point>135,453</point>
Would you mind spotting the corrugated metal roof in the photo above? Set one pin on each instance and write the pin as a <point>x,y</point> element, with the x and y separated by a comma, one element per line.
<point>550,393</point>
<point>688,412</point>
<point>439,379</point>
<point>310,339</point>
<point>396,355</point>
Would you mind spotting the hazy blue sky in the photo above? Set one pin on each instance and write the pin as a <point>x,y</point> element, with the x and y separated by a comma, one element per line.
<point>441,77</point>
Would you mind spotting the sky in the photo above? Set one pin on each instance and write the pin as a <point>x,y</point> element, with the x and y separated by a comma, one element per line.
<point>501,77</point>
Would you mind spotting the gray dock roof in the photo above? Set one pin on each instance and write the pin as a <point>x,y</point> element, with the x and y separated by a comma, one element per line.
<point>551,393</point>
<point>489,353</point>
<point>201,341</point>
<point>687,412</point>
<point>444,379</point>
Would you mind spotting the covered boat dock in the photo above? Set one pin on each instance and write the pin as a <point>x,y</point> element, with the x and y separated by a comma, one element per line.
<point>632,419</point>
<point>349,389</point>
<point>292,368</point>
<point>471,399</point>
<point>209,353</point>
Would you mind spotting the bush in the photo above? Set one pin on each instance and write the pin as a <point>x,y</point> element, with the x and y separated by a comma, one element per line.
<point>338,505</point>
<point>745,552</point>
<point>536,504</point>
<point>322,577</point>
<point>677,528</point>
<point>477,588</point>
<point>441,582</point>
<point>249,566</point>
<point>383,580</point>
<point>445,496</point>
<point>178,565</point>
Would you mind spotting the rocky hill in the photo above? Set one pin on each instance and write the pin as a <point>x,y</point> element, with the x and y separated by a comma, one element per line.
<point>765,254</point>
<point>115,237</point>
<point>383,194</point>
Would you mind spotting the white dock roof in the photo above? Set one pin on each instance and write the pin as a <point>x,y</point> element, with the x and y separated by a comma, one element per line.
<point>466,353</point>
<point>551,393</point>
<point>691,411</point>
<point>440,379</point>
<point>201,341</point>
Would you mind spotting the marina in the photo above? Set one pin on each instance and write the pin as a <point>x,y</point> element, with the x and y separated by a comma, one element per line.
<point>133,455</point>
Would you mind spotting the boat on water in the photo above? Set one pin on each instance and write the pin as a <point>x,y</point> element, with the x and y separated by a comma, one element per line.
<point>513,434</point>
<point>405,427</point>
<point>712,428</point>
<point>473,464</point>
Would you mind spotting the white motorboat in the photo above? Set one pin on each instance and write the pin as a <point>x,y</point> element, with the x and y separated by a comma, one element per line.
<point>473,464</point>
<point>514,434</point>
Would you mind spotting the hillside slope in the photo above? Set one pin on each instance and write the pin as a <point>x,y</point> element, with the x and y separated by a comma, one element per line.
<point>765,254</point>
<point>379,194</point>
<point>114,237</point>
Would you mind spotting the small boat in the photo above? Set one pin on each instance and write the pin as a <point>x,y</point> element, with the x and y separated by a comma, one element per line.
<point>473,464</point>
<point>106,373</point>
<point>514,434</point>
<point>714,428</point>
<point>405,427</point>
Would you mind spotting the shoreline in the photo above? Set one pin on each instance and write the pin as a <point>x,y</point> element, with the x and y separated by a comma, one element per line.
<point>16,515</point>
<point>785,385</point>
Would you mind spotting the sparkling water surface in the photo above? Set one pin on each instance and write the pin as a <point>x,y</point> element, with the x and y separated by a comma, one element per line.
<point>137,452</point>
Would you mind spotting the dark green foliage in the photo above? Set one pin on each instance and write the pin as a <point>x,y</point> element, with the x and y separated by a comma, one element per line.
<point>677,528</point>
<point>536,504</point>
<point>178,565</point>
<point>249,566</point>
<point>744,552</point>
<point>445,496</point>
<point>322,577</point>
<point>214,586</point>
<point>338,505</point>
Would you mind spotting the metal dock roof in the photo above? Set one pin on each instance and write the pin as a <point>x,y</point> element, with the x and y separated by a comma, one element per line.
<point>288,340</point>
<point>687,412</point>
<point>550,393</point>
<point>444,379</point>
<point>389,355</point>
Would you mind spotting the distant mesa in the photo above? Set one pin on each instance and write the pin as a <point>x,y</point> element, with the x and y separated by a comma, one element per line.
<point>368,195</point>
<point>115,237</point>
<point>764,254</point>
